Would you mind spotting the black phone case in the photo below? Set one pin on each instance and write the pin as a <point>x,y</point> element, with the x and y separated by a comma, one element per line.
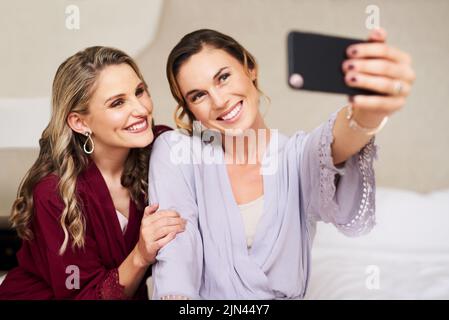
<point>318,59</point>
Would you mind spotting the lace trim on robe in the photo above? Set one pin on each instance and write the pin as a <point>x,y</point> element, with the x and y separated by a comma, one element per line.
<point>111,289</point>
<point>364,220</point>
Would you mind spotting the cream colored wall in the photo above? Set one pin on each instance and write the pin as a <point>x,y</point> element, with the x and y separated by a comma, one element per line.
<point>36,36</point>
<point>413,147</point>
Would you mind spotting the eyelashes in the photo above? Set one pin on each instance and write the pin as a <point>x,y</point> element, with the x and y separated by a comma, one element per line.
<point>140,91</point>
<point>224,77</point>
<point>221,80</point>
<point>117,103</point>
<point>120,101</point>
<point>197,96</point>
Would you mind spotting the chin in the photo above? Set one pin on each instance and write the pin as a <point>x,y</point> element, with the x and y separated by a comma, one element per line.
<point>240,127</point>
<point>142,142</point>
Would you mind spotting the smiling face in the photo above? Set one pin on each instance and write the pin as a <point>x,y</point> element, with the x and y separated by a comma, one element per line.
<point>219,92</point>
<point>120,110</point>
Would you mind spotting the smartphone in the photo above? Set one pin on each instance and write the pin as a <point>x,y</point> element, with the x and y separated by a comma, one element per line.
<point>315,63</point>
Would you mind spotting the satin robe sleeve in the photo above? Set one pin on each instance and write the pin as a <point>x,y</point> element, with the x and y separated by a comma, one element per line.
<point>78,273</point>
<point>343,196</point>
<point>178,269</point>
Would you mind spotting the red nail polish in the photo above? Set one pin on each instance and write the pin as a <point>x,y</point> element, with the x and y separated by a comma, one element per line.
<point>353,79</point>
<point>350,67</point>
<point>353,52</point>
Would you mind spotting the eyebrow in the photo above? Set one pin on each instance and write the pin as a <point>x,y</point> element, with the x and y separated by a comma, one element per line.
<point>122,94</point>
<point>214,77</point>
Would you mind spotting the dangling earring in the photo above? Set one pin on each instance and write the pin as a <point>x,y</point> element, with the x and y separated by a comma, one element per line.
<point>89,138</point>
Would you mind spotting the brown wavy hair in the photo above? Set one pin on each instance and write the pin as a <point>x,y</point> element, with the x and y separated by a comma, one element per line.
<point>191,44</point>
<point>61,149</point>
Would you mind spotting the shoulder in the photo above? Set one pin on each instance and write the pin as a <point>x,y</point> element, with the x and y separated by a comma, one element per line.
<point>172,158</point>
<point>171,137</point>
<point>46,199</point>
<point>169,143</point>
<point>159,129</point>
<point>46,194</point>
<point>46,187</point>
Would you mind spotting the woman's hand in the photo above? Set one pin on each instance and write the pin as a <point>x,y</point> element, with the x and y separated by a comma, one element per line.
<point>381,68</point>
<point>157,229</point>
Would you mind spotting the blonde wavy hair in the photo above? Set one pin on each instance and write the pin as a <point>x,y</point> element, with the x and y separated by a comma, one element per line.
<point>61,149</point>
<point>191,44</point>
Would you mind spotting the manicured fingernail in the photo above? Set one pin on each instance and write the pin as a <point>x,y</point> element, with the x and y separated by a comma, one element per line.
<point>350,66</point>
<point>353,79</point>
<point>351,98</point>
<point>351,51</point>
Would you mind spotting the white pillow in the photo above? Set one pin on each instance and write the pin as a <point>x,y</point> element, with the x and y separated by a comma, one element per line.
<point>406,255</point>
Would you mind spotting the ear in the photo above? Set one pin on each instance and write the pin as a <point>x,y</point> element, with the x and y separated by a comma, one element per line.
<point>253,74</point>
<point>77,123</point>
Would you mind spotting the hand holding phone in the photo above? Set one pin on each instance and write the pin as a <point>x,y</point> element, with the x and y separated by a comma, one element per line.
<point>315,63</point>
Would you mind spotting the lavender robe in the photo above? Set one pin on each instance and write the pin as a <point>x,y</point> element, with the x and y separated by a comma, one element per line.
<point>210,260</point>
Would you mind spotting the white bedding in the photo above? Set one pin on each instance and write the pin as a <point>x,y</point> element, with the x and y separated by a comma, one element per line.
<point>406,256</point>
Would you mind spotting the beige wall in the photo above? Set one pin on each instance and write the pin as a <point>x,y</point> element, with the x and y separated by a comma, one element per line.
<point>36,36</point>
<point>413,147</point>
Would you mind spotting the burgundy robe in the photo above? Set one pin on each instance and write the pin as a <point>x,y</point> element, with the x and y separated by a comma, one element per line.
<point>42,273</point>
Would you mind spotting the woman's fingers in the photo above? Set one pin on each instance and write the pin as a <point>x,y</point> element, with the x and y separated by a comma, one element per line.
<point>163,222</point>
<point>378,50</point>
<point>163,231</point>
<point>166,213</point>
<point>378,84</point>
<point>157,221</point>
<point>380,67</point>
<point>163,241</point>
<point>162,236</point>
<point>159,214</point>
<point>151,209</point>
<point>378,104</point>
<point>378,34</point>
<point>158,228</point>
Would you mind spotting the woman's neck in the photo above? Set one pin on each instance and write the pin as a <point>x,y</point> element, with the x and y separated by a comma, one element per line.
<point>110,162</point>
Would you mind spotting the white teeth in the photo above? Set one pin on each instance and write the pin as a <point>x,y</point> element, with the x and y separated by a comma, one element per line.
<point>233,113</point>
<point>138,126</point>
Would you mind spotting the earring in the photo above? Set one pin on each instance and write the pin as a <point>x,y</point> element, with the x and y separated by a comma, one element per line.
<point>89,138</point>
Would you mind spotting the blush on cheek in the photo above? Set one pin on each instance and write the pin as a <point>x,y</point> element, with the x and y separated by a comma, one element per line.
<point>116,120</point>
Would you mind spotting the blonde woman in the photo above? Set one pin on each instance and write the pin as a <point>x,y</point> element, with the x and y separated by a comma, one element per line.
<point>251,220</point>
<point>81,209</point>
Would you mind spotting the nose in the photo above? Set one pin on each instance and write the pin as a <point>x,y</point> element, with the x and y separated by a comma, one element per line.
<point>218,98</point>
<point>139,109</point>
